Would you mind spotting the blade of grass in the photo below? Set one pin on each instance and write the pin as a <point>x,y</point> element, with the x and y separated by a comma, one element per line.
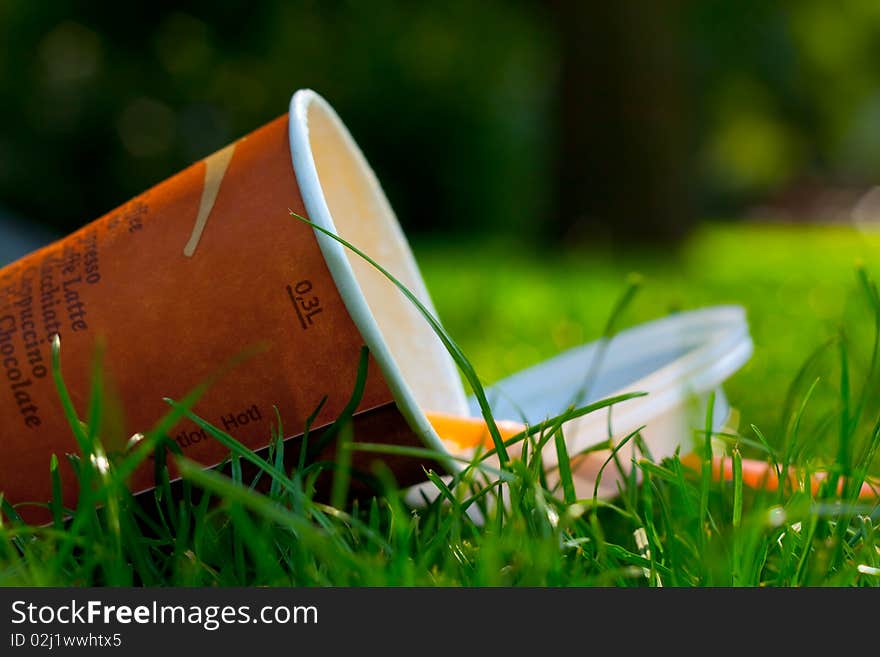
<point>634,284</point>
<point>56,505</point>
<point>611,457</point>
<point>564,465</point>
<point>351,406</point>
<point>342,473</point>
<point>304,446</point>
<point>455,352</point>
<point>706,467</point>
<point>792,438</point>
<point>67,407</point>
<point>737,488</point>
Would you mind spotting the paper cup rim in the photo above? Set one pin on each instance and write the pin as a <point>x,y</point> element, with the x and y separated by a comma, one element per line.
<point>341,270</point>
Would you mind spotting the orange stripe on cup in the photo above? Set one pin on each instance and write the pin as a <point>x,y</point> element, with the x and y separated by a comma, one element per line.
<point>468,432</point>
<point>471,432</point>
<point>762,475</point>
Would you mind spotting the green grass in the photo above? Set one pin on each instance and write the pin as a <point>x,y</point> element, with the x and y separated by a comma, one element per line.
<point>506,310</point>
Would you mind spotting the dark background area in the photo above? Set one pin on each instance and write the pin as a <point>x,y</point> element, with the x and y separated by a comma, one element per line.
<point>542,121</point>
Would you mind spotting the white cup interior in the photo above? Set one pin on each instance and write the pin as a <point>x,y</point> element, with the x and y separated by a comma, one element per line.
<point>342,195</point>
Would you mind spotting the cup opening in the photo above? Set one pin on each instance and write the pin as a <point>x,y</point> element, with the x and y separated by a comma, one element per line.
<point>342,195</point>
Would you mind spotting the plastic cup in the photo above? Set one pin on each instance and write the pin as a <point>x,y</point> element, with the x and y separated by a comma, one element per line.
<point>678,361</point>
<point>205,265</point>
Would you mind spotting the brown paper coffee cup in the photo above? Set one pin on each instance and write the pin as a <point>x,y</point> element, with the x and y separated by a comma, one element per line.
<point>199,269</point>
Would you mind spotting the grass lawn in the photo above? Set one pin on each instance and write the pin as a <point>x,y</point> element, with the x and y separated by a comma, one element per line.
<point>676,526</point>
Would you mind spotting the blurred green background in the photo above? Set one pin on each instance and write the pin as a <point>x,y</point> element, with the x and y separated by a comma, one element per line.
<point>535,153</point>
<point>580,120</point>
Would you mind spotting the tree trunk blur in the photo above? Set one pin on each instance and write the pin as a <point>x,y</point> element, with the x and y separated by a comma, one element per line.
<point>624,143</point>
